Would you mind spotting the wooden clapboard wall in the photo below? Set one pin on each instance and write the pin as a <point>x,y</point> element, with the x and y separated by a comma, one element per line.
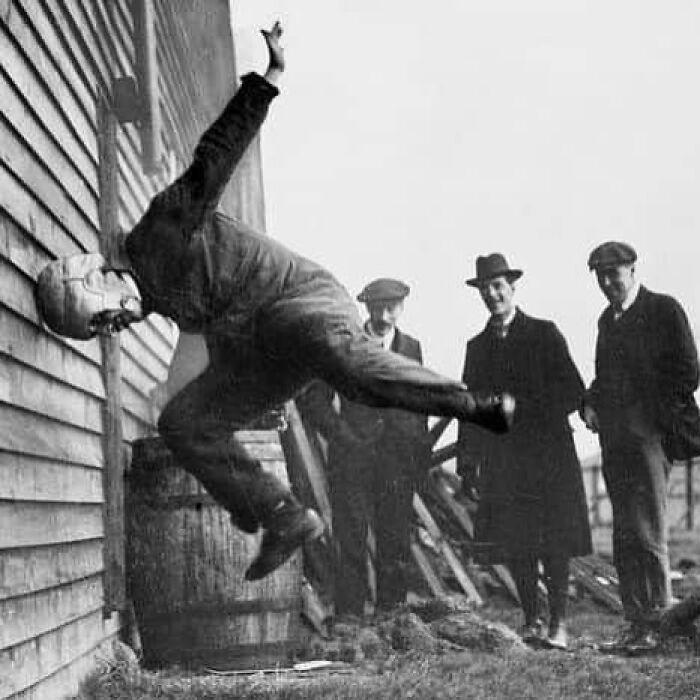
<point>58,56</point>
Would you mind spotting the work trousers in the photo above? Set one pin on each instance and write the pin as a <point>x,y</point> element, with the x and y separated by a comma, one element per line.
<point>636,472</point>
<point>246,379</point>
<point>371,497</point>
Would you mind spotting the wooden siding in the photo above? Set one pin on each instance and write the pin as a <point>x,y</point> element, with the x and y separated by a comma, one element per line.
<point>58,56</point>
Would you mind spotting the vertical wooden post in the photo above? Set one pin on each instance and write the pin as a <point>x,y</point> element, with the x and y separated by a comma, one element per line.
<point>689,495</point>
<point>113,469</point>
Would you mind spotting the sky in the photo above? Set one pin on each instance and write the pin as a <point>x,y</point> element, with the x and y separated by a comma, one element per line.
<point>411,137</point>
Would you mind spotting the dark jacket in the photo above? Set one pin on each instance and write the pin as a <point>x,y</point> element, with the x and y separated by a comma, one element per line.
<point>648,358</point>
<point>530,483</point>
<point>212,274</point>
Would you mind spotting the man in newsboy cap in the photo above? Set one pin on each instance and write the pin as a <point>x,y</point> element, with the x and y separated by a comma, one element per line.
<point>375,459</point>
<point>642,407</point>
<point>273,320</point>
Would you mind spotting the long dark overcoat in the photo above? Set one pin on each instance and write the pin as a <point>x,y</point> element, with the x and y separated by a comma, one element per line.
<point>530,481</point>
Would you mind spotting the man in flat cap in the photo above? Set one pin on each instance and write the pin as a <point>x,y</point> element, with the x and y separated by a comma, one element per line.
<point>272,320</point>
<point>375,458</point>
<point>531,501</point>
<point>642,407</point>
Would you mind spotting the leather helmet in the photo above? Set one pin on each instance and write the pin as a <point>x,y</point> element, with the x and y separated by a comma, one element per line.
<point>66,302</point>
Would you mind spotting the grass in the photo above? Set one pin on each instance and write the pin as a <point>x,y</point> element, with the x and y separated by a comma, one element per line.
<point>544,675</point>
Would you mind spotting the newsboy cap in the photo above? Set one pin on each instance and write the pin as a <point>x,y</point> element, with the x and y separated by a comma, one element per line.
<point>611,254</point>
<point>383,289</point>
<point>490,266</point>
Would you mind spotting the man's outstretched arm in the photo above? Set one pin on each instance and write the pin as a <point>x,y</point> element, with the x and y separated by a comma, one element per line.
<point>224,143</point>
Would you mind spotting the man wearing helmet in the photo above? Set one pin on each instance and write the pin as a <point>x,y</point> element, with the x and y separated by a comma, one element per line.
<point>272,320</point>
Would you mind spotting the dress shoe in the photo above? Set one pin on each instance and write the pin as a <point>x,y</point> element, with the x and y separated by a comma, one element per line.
<point>618,644</point>
<point>557,637</point>
<point>492,411</point>
<point>290,526</point>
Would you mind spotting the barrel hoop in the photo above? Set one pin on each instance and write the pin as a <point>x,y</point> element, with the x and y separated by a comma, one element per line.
<point>233,607</point>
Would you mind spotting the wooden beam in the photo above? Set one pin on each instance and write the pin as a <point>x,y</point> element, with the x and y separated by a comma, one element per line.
<point>444,453</point>
<point>426,568</point>
<point>446,550</point>
<point>435,433</point>
<point>115,577</point>
<point>461,515</point>
<point>304,463</point>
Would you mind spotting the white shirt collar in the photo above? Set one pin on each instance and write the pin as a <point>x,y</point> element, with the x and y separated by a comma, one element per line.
<point>629,300</point>
<point>386,340</point>
<point>503,322</point>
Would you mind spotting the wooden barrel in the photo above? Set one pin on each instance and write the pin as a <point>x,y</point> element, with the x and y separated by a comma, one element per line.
<point>185,569</point>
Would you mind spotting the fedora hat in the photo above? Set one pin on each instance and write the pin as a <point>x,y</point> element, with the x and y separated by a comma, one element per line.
<point>490,266</point>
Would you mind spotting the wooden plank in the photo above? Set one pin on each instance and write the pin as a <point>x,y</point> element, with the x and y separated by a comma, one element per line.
<point>27,389</point>
<point>134,428</point>
<point>73,75</point>
<point>25,210</point>
<point>21,249</point>
<point>101,40</point>
<point>79,184</point>
<point>137,404</point>
<point>25,343</point>
<point>145,356</point>
<point>458,511</point>
<point>26,478</point>
<point>426,568</point>
<point>27,570</point>
<point>183,91</point>
<point>113,472</point>
<point>25,665</point>
<point>32,68</point>
<point>66,681</point>
<point>31,434</point>
<point>30,616</point>
<point>446,550</point>
<point>462,516</point>
<point>17,157</point>
<point>70,27</point>
<point>148,334</point>
<point>303,461</point>
<point>444,453</point>
<point>436,432</point>
<point>34,524</point>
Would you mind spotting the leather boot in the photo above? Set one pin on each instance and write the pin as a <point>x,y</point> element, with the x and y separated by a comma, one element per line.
<point>492,411</point>
<point>288,527</point>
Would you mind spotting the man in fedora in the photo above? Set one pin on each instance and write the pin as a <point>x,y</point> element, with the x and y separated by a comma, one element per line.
<point>272,320</point>
<point>375,458</point>
<point>642,407</point>
<point>531,500</point>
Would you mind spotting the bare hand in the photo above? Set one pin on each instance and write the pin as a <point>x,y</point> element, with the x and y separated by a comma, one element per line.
<point>276,52</point>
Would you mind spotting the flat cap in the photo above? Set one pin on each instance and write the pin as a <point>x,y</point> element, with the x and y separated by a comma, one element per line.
<point>611,254</point>
<point>383,289</point>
